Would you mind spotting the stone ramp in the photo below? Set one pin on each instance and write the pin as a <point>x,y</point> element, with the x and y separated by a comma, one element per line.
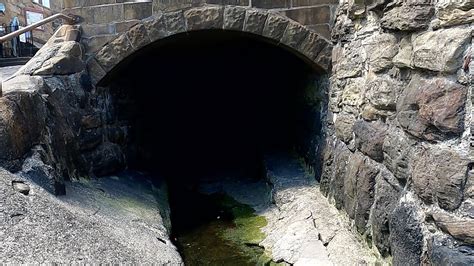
<point>113,221</point>
<point>303,227</point>
<point>6,72</point>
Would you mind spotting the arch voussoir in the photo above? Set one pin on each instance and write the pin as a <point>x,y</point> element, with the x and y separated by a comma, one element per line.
<point>270,25</point>
<point>294,35</point>
<point>234,18</point>
<point>114,52</point>
<point>275,26</point>
<point>204,18</point>
<point>255,21</point>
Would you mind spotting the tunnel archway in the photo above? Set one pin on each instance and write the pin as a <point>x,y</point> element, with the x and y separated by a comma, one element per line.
<point>265,25</point>
<point>207,103</point>
<point>208,108</point>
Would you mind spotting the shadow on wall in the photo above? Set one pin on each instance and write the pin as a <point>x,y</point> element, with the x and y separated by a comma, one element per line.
<point>206,102</point>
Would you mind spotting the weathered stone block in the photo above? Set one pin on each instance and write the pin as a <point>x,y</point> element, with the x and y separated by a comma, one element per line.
<point>398,151</point>
<point>96,72</point>
<point>369,138</point>
<point>138,36</point>
<point>381,48</point>
<point>432,109</point>
<point>138,10</point>
<point>460,228</point>
<point>234,18</point>
<point>407,18</point>
<point>103,14</point>
<point>324,58</point>
<point>441,50</point>
<point>387,193</point>
<point>156,27</point>
<point>350,61</point>
<point>353,95</point>
<point>403,59</point>
<point>382,93</point>
<point>312,46</point>
<point>175,22</point>
<point>114,52</point>
<point>22,120</point>
<point>297,3</point>
<point>43,174</point>
<point>356,162</point>
<point>271,3</point>
<point>336,183</point>
<point>255,21</point>
<point>365,193</point>
<point>310,15</point>
<point>406,235</point>
<point>209,17</point>
<point>275,26</point>
<point>124,26</point>
<point>343,125</point>
<point>439,175</point>
<point>294,35</point>
<point>94,44</point>
<point>445,251</point>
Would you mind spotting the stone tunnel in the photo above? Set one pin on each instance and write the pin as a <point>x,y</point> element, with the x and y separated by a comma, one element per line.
<point>346,125</point>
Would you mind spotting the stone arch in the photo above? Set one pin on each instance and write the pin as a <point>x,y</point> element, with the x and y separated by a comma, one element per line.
<point>267,25</point>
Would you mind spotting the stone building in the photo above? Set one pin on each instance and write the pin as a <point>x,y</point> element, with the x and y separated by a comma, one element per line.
<point>19,9</point>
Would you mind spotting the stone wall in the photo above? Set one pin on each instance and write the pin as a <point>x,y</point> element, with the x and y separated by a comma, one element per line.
<point>397,157</point>
<point>105,19</point>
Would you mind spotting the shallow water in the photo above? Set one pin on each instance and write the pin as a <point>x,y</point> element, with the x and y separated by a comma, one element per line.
<point>216,230</point>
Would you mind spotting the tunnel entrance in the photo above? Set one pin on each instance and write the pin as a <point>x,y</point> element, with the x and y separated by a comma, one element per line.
<point>206,106</point>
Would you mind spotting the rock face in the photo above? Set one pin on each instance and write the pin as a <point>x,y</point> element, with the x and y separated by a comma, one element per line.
<point>441,50</point>
<point>444,181</point>
<point>432,109</point>
<point>78,228</point>
<point>406,235</point>
<point>401,78</point>
<point>395,158</point>
<point>443,250</point>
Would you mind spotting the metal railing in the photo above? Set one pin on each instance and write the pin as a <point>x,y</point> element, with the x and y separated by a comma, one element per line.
<point>20,46</point>
<point>18,41</point>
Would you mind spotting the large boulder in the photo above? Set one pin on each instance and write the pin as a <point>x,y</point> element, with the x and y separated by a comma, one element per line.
<point>22,120</point>
<point>432,109</point>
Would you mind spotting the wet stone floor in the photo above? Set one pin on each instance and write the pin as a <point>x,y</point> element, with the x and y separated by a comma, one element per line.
<point>212,228</point>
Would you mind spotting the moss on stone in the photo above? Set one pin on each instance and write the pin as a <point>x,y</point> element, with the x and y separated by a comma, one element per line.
<point>248,225</point>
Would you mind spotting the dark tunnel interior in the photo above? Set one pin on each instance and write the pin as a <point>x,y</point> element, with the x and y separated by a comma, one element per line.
<point>209,102</point>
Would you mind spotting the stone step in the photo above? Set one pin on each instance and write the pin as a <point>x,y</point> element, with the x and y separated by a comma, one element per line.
<point>14,61</point>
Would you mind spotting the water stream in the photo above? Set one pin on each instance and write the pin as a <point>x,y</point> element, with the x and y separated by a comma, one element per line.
<point>216,229</point>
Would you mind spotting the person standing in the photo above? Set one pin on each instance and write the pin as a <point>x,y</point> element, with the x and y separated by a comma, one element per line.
<point>14,26</point>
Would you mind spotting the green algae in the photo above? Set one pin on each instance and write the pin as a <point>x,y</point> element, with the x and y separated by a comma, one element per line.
<point>231,238</point>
